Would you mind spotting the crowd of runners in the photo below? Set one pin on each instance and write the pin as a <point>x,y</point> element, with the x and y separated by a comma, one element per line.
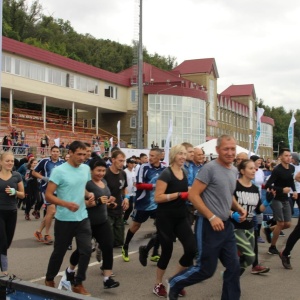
<point>213,208</point>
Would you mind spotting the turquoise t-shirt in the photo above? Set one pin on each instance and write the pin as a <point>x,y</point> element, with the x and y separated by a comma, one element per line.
<point>71,184</point>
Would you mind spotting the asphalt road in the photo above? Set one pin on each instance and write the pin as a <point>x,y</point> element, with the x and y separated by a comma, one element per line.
<point>28,260</point>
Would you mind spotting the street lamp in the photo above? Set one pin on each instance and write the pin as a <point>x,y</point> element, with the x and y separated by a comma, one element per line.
<point>278,147</point>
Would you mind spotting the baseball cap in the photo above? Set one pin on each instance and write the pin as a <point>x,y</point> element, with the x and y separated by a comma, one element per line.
<point>130,161</point>
<point>29,155</point>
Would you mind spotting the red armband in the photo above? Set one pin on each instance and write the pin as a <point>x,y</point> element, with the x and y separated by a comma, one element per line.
<point>184,195</point>
<point>144,186</point>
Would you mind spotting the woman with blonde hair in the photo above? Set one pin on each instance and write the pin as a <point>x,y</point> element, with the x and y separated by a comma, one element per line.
<point>11,188</point>
<point>172,217</point>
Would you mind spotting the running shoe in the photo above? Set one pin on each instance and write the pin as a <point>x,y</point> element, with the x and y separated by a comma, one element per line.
<point>143,255</point>
<point>273,250</point>
<point>159,290</point>
<point>110,283</point>
<point>27,217</point>
<point>182,293</point>
<point>281,233</point>
<point>50,283</point>
<point>38,236</point>
<point>155,258</point>
<point>79,289</point>
<point>260,239</point>
<point>48,240</point>
<point>285,261</point>
<point>70,276</point>
<point>259,269</point>
<point>125,254</point>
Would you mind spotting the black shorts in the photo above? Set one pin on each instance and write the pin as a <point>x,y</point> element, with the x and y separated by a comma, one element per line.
<point>141,216</point>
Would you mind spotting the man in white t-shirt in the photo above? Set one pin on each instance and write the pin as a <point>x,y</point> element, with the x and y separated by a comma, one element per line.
<point>131,181</point>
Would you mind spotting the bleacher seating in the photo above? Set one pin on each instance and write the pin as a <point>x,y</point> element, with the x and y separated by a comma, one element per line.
<point>57,126</point>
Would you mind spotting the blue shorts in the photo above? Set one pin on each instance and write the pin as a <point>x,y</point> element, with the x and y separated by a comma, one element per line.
<point>141,216</point>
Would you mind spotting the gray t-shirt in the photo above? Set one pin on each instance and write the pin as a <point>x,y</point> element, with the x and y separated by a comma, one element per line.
<point>221,183</point>
<point>9,202</point>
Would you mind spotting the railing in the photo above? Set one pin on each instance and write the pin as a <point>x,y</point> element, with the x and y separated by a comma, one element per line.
<point>14,288</point>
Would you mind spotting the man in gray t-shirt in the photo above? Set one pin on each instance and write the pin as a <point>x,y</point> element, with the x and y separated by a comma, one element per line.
<point>212,195</point>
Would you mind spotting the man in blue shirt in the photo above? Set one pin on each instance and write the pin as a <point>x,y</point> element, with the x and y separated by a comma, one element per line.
<point>71,218</point>
<point>42,171</point>
<point>145,206</point>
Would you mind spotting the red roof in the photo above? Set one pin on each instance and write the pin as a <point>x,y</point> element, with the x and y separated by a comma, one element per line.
<point>193,66</point>
<point>240,90</point>
<point>28,51</point>
<point>267,120</point>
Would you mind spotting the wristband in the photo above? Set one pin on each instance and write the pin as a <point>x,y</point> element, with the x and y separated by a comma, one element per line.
<point>127,196</point>
<point>211,218</point>
<point>236,216</point>
<point>12,191</point>
<point>46,179</point>
<point>266,203</point>
<point>184,195</point>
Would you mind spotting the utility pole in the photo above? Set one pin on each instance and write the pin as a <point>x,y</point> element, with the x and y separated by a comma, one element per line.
<point>140,144</point>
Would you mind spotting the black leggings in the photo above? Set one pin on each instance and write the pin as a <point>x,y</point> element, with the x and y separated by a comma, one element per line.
<point>169,227</point>
<point>103,235</point>
<point>8,221</point>
<point>294,236</point>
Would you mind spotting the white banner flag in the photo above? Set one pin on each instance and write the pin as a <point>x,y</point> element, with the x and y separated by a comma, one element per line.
<point>260,112</point>
<point>167,144</point>
<point>291,132</point>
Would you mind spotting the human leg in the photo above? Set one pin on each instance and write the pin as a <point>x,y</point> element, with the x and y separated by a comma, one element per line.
<point>209,244</point>
<point>229,258</point>
<point>64,232</point>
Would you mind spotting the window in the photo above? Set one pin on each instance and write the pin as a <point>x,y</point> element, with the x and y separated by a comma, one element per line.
<point>133,95</point>
<point>211,99</point>
<point>85,123</point>
<point>133,122</point>
<point>93,123</point>
<point>111,92</point>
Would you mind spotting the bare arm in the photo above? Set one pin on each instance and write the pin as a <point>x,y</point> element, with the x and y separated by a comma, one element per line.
<point>196,190</point>
<point>51,198</point>
<point>297,177</point>
<point>160,196</point>
<point>36,174</point>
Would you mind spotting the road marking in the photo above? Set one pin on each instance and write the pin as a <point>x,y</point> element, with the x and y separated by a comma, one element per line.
<point>90,265</point>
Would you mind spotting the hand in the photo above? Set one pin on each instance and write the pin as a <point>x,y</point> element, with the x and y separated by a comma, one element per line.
<point>72,206</point>
<point>217,224</point>
<point>91,197</point>
<point>46,179</point>
<point>111,205</point>
<point>112,199</point>
<point>295,195</point>
<point>103,199</point>
<point>286,190</point>
<point>243,214</point>
<point>10,191</point>
<point>236,216</point>
<point>125,204</point>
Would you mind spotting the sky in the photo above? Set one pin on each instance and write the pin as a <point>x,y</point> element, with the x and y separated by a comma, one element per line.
<point>253,42</point>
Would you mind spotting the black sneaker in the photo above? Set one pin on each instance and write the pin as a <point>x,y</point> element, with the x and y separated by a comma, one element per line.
<point>70,276</point>
<point>110,283</point>
<point>273,250</point>
<point>285,261</point>
<point>143,255</point>
<point>281,233</point>
<point>171,295</point>
<point>268,232</point>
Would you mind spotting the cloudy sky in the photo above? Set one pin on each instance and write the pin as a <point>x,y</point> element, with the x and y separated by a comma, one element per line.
<point>253,41</point>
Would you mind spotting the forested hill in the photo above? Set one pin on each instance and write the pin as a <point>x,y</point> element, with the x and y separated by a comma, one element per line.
<point>29,25</point>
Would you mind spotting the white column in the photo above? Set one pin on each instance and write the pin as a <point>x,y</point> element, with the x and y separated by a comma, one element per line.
<point>73,117</point>
<point>44,111</point>
<point>97,120</point>
<point>11,94</point>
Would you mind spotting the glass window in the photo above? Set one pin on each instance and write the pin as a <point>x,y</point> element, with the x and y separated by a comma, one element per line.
<point>133,122</point>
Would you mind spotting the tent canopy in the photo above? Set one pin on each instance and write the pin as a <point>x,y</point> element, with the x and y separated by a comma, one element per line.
<point>210,148</point>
